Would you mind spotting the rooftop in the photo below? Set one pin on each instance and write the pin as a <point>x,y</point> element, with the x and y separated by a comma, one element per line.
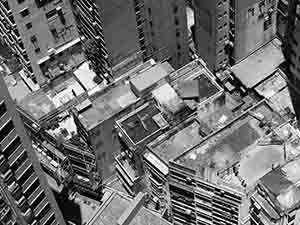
<point>86,76</point>
<point>106,104</point>
<point>146,78</point>
<point>283,184</point>
<point>45,100</point>
<point>223,148</point>
<point>201,87</point>
<point>116,207</point>
<point>272,85</point>
<point>142,122</point>
<point>168,98</point>
<point>260,64</point>
<point>16,86</point>
<point>171,144</point>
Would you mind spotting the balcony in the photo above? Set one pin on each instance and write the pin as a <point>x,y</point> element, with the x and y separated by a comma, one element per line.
<point>16,155</point>
<point>15,190</point>
<point>29,182</point>
<point>3,165</point>
<point>40,207</point>
<point>28,216</point>
<point>37,192</point>
<point>8,177</point>
<point>5,7</point>
<point>5,214</point>
<point>23,168</point>
<point>47,217</point>
<point>22,204</point>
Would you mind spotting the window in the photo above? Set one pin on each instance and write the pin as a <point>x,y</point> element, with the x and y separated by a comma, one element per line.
<point>291,218</point>
<point>151,24</point>
<point>54,33</point>
<point>176,21</point>
<point>38,200</point>
<point>25,12</point>
<point>34,41</point>
<point>12,147</point>
<point>251,12</point>
<point>177,33</point>
<point>3,109</point>
<point>51,13</point>
<point>149,11</point>
<point>178,46</point>
<point>6,129</point>
<point>20,1</point>
<point>175,9</point>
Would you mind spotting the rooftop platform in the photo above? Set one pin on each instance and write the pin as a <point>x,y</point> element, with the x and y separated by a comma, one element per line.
<point>260,64</point>
<point>201,87</point>
<point>106,104</point>
<point>145,79</point>
<point>223,148</point>
<point>175,142</point>
<point>117,208</point>
<point>16,86</point>
<point>86,77</point>
<point>44,101</point>
<point>142,123</point>
<point>283,185</point>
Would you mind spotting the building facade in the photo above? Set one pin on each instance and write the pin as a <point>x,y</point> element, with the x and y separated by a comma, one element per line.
<point>22,180</point>
<point>227,31</point>
<point>136,30</point>
<point>40,33</point>
<point>292,52</point>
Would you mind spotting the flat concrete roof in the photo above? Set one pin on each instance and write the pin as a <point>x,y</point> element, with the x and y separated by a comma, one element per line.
<point>142,122</point>
<point>106,104</point>
<point>43,101</point>
<point>16,87</point>
<point>116,205</point>
<point>283,183</point>
<point>223,148</point>
<point>86,76</point>
<point>272,85</point>
<point>202,87</point>
<point>175,142</point>
<point>260,64</point>
<point>151,76</point>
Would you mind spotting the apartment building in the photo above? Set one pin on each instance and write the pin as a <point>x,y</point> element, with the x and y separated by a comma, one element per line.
<point>136,30</point>
<point>22,179</point>
<point>291,52</point>
<point>227,31</point>
<point>43,35</point>
<point>282,14</point>
<point>276,201</point>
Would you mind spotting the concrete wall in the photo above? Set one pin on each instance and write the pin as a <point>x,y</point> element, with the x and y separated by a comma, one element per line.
<point>211,31</point>
<point>41,29</point>
<point>250,32</point>
<point>106,147</point>
<point>119,29</point>
<point>161,35</point>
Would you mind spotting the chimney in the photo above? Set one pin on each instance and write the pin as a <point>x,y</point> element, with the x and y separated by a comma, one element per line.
<point>132,210</point>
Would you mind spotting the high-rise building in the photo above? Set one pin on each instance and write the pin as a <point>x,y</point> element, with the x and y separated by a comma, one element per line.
<point>228,30</point>
<point>22,180</point>
<point>136,30</point>
<point>43,35</point>
<point>292,52</point>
